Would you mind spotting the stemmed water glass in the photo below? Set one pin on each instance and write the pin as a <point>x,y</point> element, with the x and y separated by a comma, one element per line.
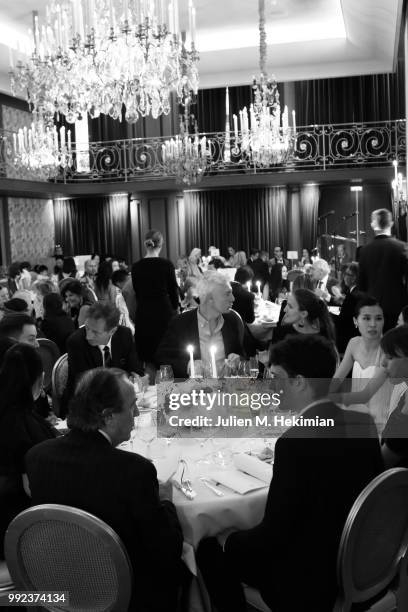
<point>253,368</point>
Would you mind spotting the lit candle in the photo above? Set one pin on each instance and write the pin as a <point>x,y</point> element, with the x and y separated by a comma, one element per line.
<point>395,164</point>
<point>213,350</point>
<point>294,121</point>
<point>248,285</point>
<point>258,284</point>
<point>193,33</point>
<point>227,103</point>
<point>190,18</point>
<point>170,17</point>
<point>235,119</point>
<point>11,60</point>
<point>176,17</point>
<point>69,140</point>
<point>190,349</point>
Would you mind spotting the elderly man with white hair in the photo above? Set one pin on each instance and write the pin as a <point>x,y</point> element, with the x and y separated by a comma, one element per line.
<point>326,287</point>
<point>212,324</point>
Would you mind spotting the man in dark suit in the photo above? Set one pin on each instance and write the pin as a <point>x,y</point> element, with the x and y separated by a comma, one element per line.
<point>260,269</point>
<point>383,269</point>
<point>319,470</point>
<point>102,342</point>
<point>243,299</point>
<point>213,323</point>
<point>84,469</point>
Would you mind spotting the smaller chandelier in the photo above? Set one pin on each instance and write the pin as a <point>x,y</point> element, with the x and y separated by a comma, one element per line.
<point>94,56</point>
<point>266,138</point>
<point>43,149</point>
<point>186,157</point>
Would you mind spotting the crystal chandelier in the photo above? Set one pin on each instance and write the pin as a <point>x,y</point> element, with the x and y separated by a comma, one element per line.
<point>95,55</point>
<point>43,149</point>
<point>186,157</point>
<point>266,137</point>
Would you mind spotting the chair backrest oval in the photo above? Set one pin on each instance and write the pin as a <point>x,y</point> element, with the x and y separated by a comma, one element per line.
<point>59,381</point>
<point>375,537</point>
<point>59,548</point>
<point>49,353</point>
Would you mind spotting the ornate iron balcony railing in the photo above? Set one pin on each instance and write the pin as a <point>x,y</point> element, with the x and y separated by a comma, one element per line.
<point>317,147</point>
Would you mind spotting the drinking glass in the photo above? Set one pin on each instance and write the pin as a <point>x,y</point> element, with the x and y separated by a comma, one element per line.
<point>166,373</point>
<point>243,369</point>
<point>253,368</point>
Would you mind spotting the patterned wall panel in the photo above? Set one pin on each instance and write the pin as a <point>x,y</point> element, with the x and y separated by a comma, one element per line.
<point>31,225</point>
<point>12,120</point>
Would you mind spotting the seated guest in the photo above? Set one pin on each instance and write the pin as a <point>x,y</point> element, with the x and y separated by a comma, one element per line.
<point>260,269</point>
<point>78,300</point>
<point>190,294</point>
<point>4,297</point>
<point>317,475</point>
<point>211,324</point>
<point>403,316</point>
<point>101,342</point>
<point>326,287</point>
<point>194,260</point>
<point>19,327</point>
<point>40,289</point>
<point>103,287</point>
<point>84,469</point>
<point>16,305</point>
<point>88,277</point>
<point>236,258</point>
<point>395,434</point>
<point>345,326</point>
<point>57,325</point>
<point>243,299</point>
<point>42,273</point>
<point>123,281</point>
<point>119,280</point>
<point>21,379</point>
<point>305,314</point>
<point>14,276</point>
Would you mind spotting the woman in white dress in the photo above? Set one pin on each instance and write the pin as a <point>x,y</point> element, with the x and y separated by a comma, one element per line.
<point>370,391</point>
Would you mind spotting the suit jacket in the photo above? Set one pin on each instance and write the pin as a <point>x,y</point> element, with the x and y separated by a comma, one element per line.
<point>183,330</point>
<point>244,302</point>
<point>331,282</point>
<point>82,469</point>
<point>318,473</point>
<point>383,273</point>
<point>345,329</point>
<point>82,356</point>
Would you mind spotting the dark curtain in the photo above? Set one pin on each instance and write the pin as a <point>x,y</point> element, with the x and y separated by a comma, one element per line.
<point>376,97</point>
<point>100,225</point>
<point>309,208</point>
<point>241,218</point>
<point>210,109</point>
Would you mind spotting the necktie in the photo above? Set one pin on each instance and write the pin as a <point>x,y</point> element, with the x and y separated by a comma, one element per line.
<point>107,358</point>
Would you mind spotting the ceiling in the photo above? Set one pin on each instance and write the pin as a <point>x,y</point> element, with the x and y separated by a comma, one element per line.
<point>306,38</point>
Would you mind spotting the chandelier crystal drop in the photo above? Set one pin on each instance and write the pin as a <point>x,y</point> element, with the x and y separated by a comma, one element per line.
<point>266,138</point>
<point>93,56</point>
<point>187,157</point>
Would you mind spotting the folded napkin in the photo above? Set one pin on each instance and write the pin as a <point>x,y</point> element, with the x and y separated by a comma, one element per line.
<point>167,466</point>
<point>249,474</point>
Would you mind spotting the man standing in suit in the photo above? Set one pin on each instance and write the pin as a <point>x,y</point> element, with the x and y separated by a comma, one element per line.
<point>84,469</point>
<point>318,473</point>
<point>383,269</point>
<point>101,342</point>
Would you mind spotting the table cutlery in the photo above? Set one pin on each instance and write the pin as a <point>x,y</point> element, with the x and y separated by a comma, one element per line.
<point>211,487</point>
<point>188,492</point>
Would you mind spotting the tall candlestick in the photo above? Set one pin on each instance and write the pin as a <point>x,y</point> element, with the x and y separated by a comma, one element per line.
<point>395,164</point>
<point>294,121</point>
<point>190,349</point>
<point>11,60</point>
<point>193,33</point>
<point>258,284</point>
<point>69,140</point>
<point>213,350</point>
<point>227,103</point>
<point>235,119</point>
<point>248,285</point>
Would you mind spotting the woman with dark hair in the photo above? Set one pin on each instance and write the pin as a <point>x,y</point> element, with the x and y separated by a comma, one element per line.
<point>21,379</point>
<point>78,299</point>
<point>103,286</point>
<point>57,325</point>
<point>14,276</point>
<point>305,313</point>
<point>69,268</point>
<point>155,285</point>
<point>394,345</point>
<point>369,392</point>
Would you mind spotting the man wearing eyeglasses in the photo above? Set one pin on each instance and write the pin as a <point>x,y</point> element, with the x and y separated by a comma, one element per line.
<point>101,342</point>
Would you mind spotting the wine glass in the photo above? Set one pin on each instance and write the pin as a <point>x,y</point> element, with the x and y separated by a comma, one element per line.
<point>166,373</point>
<point>146,427</point>
<point>243,369</point>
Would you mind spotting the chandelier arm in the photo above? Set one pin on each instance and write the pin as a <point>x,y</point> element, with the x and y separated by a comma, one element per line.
<point>262,37</point>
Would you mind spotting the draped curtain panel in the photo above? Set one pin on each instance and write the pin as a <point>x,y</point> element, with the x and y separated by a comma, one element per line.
<point>376,97</point>
<point>309,209</point>
<point>242,218</point>
<point>101,225</point>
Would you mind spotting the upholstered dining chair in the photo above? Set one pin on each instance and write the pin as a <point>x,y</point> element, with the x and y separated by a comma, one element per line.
<point>6,583</point>
<point>373,545</point>
<point>49,353</point>
<point>60,548</point>
<point>59,379</point>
